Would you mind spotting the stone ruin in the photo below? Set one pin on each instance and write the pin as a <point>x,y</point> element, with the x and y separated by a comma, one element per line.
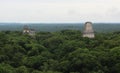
<point>27,30</point>
<point>88,30</point>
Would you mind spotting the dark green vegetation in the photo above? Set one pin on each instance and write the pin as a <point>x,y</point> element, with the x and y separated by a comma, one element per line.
<point>59,52</point>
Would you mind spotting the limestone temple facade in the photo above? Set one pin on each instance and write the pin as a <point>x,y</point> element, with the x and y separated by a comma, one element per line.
<point>27,30</point>
<point>88,30</point>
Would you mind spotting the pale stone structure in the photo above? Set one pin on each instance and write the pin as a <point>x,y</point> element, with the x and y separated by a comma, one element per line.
<point>88,30</point>
<point>28,31</point>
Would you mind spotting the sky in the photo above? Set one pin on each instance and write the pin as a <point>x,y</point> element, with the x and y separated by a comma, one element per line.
<point>55,11</point>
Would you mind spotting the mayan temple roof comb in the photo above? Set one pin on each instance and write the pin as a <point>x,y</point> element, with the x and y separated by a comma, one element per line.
<point>88,30</point>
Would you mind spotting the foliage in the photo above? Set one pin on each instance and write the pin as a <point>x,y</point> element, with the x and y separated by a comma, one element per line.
<point>59,52</point>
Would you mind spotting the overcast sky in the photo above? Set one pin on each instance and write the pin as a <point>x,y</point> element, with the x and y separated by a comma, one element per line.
<point>59,10</point>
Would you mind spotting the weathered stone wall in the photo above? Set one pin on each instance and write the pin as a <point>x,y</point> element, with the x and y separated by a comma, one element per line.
<point>88,30</point>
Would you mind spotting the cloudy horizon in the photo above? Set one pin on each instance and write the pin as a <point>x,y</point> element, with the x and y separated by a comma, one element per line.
<point>59,11</point>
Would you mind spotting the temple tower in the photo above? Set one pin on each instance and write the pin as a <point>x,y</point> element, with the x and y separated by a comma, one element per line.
<point>26,30</point>
<point>88,30</point>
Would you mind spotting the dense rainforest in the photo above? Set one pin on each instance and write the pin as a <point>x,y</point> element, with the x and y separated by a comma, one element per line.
<point>64,51</point>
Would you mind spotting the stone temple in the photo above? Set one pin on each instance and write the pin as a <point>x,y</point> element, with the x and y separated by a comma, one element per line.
<point>27,30</point>
<point>88,30</point>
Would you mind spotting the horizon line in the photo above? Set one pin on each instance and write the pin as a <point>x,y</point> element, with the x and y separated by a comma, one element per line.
<point>55,22</point>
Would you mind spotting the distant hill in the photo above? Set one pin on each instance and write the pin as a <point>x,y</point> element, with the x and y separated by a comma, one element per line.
<point>98,27</point>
